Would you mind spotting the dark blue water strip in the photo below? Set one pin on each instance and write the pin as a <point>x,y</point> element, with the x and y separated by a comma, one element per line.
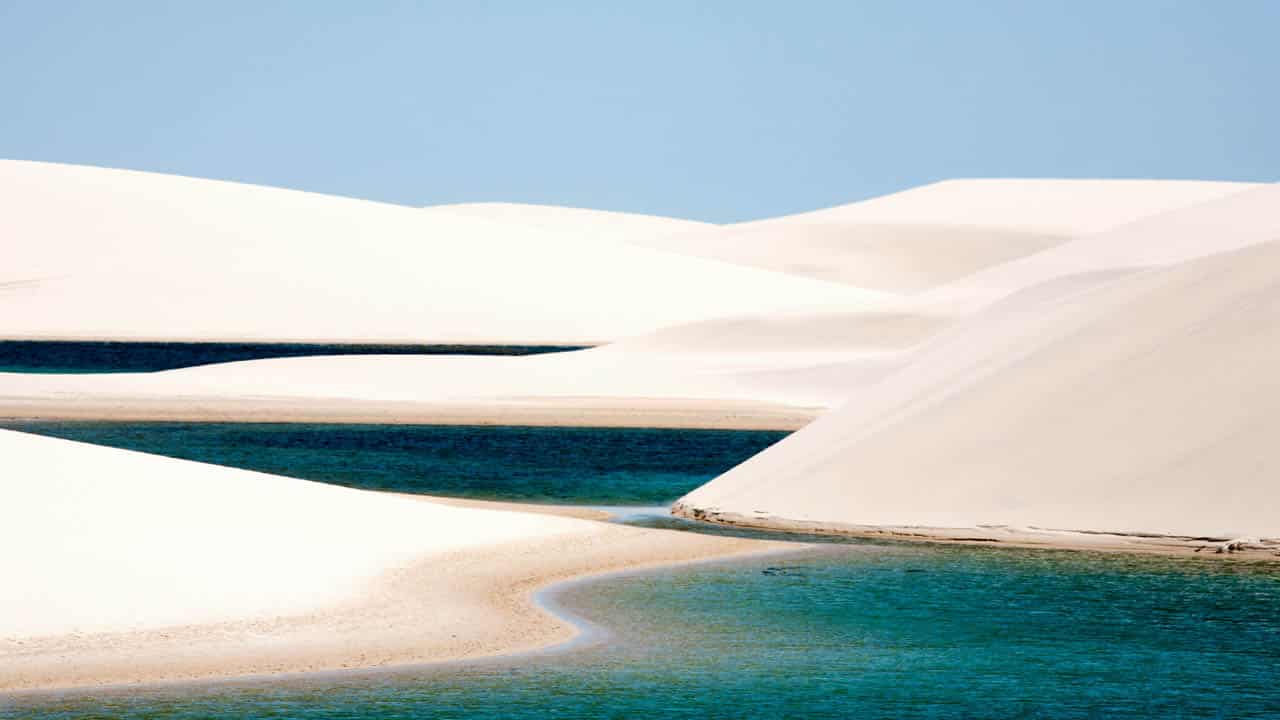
<point>41,356</point>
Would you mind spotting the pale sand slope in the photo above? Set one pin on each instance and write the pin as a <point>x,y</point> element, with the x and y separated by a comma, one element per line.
<point>122,567</point>
<point>1237,219</point>
<point>746,371</point>
<point>583,222</point>
<point>1233,220</point>
<point>915,240</point>
<point>113,254</point>
<point>1145,405</point>
<point>773,369</point>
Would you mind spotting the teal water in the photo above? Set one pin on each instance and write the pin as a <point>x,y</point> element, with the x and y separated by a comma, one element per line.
<point>859,631</point>
<point>64,356</point>
<point>596,466</point>
<point>852,629</point>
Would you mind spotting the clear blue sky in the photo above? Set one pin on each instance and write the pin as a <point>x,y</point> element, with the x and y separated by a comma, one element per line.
<point>719,111</point>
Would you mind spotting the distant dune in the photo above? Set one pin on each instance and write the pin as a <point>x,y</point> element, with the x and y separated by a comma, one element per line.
<point>1232,220</point>
<point>577,222</point>
<point>757,370</point>
<point>113,254</point>
<point>768,360</point>
<point>924,237</point>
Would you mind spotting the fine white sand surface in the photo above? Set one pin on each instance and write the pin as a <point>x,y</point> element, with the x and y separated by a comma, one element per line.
<point>133,541</point>
<point>578,222</point>
<point>1239,218</point>
<point>750,368</point>
<point>760,370</point>
<point>1140,406</point>
<point>1053,362</point>
<point>121,566</point>
<point>918,239</point>
<point>745,367</point>
<point>91,253</point>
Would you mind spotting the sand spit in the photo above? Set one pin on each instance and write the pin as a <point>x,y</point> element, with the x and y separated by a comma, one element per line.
<point>136,568</point>
<point>690,413</point>
<point>755,371</point>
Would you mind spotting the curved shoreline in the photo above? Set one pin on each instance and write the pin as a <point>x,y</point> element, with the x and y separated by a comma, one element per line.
<point>460,607</point>
<point>546,597</point>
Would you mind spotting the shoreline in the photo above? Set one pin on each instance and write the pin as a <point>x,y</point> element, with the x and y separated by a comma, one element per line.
<point>675,413</point>
<point>415,615</point>
<point>1224,548</point>
<point>464,605</point>
<point>318,341</point>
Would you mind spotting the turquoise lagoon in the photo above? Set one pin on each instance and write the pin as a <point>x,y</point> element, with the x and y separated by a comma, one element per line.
<point>843,629</point>
<point>596,466</point>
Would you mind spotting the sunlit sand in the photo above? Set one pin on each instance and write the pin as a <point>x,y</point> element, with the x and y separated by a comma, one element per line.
<point>1060,363</point>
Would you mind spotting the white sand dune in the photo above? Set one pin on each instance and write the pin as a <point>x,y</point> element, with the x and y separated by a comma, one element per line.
<point>122,567</point>
<point>1144,405</point>
<point>1033,205</point>
<point>921,238</point>
<point>577,222</point>
<point>747,368</point>
<point>130,541</point>
<point>759,370</point>
<point>1242,217</point>
<point>1028,361</point>
<point>112,254</point>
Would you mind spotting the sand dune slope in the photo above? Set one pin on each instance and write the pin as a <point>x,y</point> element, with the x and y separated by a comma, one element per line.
<point>758,370</point>
<point>113,540</point>
<point>583,222</point>
<point>1233,220</point>
<point>1148,404</point>
<point>924,237</point>
<point>121,567</point>
<point>770,356</point>
<point>111,254</point>
<point>1037,205</point>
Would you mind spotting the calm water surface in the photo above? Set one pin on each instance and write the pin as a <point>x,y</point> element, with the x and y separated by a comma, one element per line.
<point>596,466</point>
<point>855,630</point>
<point>49,356</point>
<point>848,629</point>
